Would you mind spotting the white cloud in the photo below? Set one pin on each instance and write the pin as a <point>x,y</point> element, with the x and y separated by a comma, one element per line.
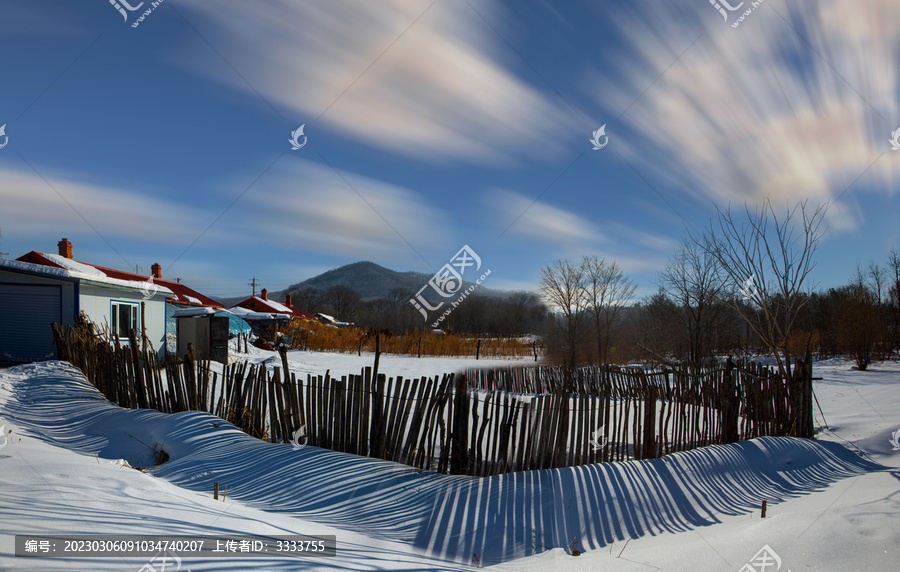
<point>541,222</point>
<point>307,206</point>
<point>754,111</point>
<point>574,236</point>
<point>437,93</point>
<point>300,206</point>
<point>33,209</point>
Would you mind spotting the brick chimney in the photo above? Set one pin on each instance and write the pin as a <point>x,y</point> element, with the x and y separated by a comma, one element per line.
<point>287,301</point>
<point>65,248</point>
<point>264,294</point>
<point>157,270</point>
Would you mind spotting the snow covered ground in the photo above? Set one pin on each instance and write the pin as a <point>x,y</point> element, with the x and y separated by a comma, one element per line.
<point>832,503</point>
<point>316,363</point>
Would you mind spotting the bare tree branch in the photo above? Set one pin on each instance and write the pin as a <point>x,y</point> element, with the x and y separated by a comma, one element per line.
<point>767,259</point>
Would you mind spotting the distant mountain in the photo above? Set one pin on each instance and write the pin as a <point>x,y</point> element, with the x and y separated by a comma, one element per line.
<point>372,281</point>
<point>229,302</point>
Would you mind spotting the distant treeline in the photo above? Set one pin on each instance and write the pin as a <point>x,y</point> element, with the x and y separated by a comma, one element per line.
<point>513,315</point>
<point>742,285</point>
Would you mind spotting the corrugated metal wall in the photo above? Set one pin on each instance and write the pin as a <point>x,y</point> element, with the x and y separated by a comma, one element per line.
<point>26,312</point>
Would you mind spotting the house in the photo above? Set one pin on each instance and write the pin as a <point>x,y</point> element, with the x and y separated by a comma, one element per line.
<point>332,321</point>
<point>259,311</point>
<point>39,289</point>
<point>262,305</point>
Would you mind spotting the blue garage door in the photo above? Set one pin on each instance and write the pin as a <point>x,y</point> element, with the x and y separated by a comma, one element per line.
<point>26,312</point>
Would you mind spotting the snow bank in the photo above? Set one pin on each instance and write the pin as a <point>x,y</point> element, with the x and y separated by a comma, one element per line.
<point>695,510</point>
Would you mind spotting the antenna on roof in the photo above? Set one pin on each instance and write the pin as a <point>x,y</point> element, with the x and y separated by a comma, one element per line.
<point>253,283</point>
<point>1,236</point>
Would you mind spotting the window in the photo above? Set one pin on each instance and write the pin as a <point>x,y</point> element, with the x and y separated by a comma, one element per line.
<point>123,319</point>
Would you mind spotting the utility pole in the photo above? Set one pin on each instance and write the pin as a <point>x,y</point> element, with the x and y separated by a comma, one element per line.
<point>2,253</point>
<point>253,284</point>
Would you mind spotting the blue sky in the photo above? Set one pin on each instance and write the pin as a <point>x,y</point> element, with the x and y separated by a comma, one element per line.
<point>431,125</point>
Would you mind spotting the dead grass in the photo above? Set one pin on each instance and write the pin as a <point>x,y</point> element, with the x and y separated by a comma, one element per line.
<point>314,336</point>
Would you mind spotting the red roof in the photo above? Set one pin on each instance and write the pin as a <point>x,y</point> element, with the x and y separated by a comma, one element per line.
<point>184,294</point>
<point>257,304</point>
<point>302,313</point>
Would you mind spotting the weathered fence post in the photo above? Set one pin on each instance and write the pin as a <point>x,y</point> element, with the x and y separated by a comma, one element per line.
<point>729,404</point>
<point>376,431</point>
<point>810,424</point>
<point>143,328</point>
<point>650,448</point>
<point>459,432</point>
<point>377,355</point>
<point>802,388</point>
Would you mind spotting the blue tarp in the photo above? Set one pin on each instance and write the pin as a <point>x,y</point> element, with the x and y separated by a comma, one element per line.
<point>236,325</point>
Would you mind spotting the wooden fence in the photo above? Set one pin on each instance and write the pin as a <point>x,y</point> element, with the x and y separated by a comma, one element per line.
<point>481,422</point>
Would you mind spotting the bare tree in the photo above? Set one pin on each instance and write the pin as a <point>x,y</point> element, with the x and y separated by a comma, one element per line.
<point>308,299</point>
<point>562,284</point>
<point>402,314</point>
<point>522,312</point>
<point>606,291</point>
<point>770,258</point>
<point>875,277</point>
<point>694,281</point>
<point>344,301</point>
<point>893,279</point>
<point>659,324</point>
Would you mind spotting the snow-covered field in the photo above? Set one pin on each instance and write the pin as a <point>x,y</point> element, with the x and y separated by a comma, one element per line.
<point>832,503</point>
<point>317,363</point>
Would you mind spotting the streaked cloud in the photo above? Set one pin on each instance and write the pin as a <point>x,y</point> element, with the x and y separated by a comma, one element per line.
<point>33,209</point>
<point>566,234</point>
<point>754,111</point>
<point>308,206</point>
<point>435,90</point>
<point>322,214</point>
<point>539,221</point>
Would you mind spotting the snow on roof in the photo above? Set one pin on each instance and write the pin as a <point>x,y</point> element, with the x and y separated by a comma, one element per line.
<point>39,268</point>
<point>251,315</point>
<point>193,311</point>
<point>70,264</point>
<point>238,311</point>
<point>280,308</point>
<point>192,299</point>
<point>81,272</point>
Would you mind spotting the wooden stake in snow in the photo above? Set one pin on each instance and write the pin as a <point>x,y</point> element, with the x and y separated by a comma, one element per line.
<point>763,514</point>
<point>215,491</point>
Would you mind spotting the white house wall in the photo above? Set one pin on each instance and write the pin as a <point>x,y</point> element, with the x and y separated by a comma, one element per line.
<point>96,302</point>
